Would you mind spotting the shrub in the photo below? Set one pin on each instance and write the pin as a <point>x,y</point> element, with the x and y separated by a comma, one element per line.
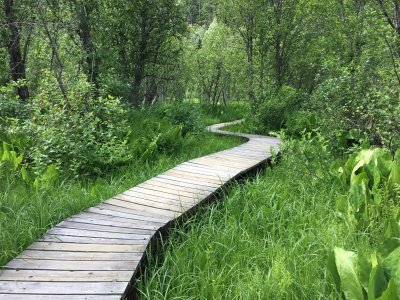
<point>274,112</point>
<point>301,121</point>
<point>184,114</point>
<point>156,137</point>
<point>82,141</point>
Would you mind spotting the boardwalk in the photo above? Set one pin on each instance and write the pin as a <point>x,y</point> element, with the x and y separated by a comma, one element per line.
<point>96,254</point>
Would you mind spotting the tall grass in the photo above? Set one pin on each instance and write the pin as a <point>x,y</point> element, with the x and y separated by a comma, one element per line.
<point>26,213</point>
<point>267,239</point>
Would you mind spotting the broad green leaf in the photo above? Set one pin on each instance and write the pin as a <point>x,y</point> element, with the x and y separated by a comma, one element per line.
<point>346,263</point>
<point>49,176</point>
<point>364,266</point>
<point>342,204</point>
<point>394,177</point>
<point>377,283</point>
<point>6,153</point>
<point>392,229</point>
<point>392,265</point>
<point>388,246</point>
<point>363,158</point>
<point>331,265</point>
<point>390,293</point>
<point>24,174</point>
<point>18,160</point>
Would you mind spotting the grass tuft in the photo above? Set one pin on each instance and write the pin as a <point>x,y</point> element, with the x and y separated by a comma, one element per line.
<point>267,239</point>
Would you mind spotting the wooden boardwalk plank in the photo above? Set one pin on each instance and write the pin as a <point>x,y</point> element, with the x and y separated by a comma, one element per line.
<point>62,288</point>
<point>70,265</point>
<point>65,276</point>
<point>93,255</point>
<point>85,247</point>
<point>58,297</point>
<point>66,255</point>
<point>103,228</point>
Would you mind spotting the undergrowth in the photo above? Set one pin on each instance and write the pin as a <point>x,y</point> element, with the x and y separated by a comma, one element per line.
<point>27,210</point>
<point>268,239</point>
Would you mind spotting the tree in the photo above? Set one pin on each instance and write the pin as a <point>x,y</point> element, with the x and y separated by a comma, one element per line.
<point>243,17</point>
<point>17,57</point>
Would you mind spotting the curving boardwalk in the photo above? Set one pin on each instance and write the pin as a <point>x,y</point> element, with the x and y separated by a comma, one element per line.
<point>97,253</point>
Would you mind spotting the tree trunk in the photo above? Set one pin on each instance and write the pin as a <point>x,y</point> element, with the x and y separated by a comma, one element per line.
<point>86,38</point>
<point>134,96</point>
<point>17,61</point>
<point>278,61</point>
<point>140,65</point>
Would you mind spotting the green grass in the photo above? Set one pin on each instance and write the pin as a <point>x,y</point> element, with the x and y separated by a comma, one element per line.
<point>266,239</point>
<point>234,111</point>
<point>25,214</point>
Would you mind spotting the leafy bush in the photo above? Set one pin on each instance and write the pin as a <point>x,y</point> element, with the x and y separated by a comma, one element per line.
<point>361,276</point>
<point>11,106</point>
<point>300,122</point>
<point>156,137</point>
<point>351,102</point>
<point>81,141</point>
<point>274,112</point>
<point>373,180</point>
<point>186,115</point>
<point>79,135</point>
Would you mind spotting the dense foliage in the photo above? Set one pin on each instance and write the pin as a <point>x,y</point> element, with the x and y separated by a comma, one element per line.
<point>92,87</point>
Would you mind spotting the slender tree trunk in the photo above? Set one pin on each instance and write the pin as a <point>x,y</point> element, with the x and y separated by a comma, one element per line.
<point>17,61</point>
<point>250,70</point>
<point>134,96</point>
<point>278,61</point>
<point>86,37</point>
<point>59,69</point>
<point>140,65</point>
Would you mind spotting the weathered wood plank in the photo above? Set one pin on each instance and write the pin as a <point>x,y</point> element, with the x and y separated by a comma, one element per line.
<point>185,179</point>
<point>135,203</point>
<point>62,288</point>
<point>65,276</point>
<point>168,189</point>
<point>128,216</point>
<point>195,176</point>
<point>180,183</point>
<point>104,228</point>
<point>66,255</point>
<point>70,265</point>
<point>91,240</point>
<point>136,197</point>
<point>140,209</point>
<point>207,171</point>
<point>84,247</point>
<point>58,297</point>
<point>97,234</point>
<point>112,221</point>
<point>161,195</point>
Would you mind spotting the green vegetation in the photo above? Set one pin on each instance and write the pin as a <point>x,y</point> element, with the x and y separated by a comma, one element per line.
<point>98,95</point>
<point>274,237</point>
<point>29,206</point>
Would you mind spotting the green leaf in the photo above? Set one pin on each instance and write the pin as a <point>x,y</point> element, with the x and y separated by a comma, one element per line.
<point>377,283</point>
<point>392,265</point>
<point>6,152</point>
<point>390,293</point>
<point>394,177</point>
<point>365,265</point>
<point>346,263</point>
<point>331,265</point>
<point>18,160</point>
<point>50,176</point>
<point>24,174</point>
